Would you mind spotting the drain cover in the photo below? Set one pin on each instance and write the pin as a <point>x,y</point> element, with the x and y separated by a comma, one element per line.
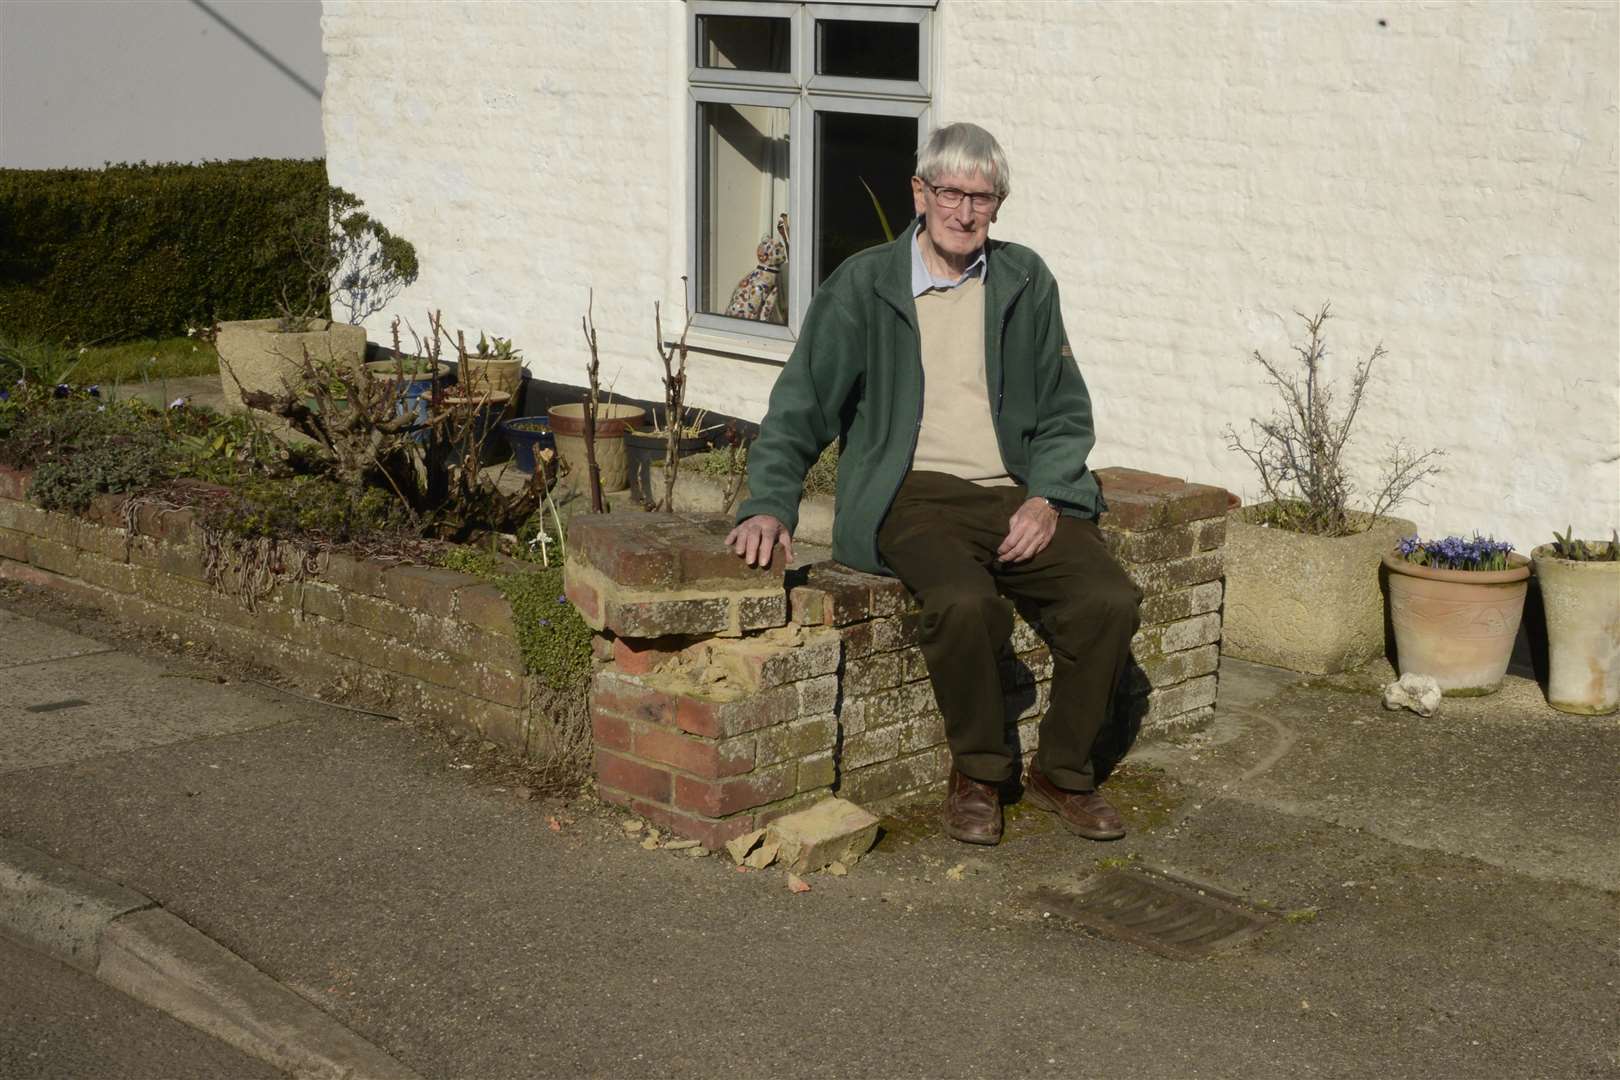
<point>1173,917</point>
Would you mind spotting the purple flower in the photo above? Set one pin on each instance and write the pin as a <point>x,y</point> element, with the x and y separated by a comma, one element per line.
<point>94,391</point>
<point>562,599</point>
<point>61,390</point>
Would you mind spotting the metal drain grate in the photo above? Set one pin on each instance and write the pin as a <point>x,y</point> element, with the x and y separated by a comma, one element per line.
<point>1171,916</point>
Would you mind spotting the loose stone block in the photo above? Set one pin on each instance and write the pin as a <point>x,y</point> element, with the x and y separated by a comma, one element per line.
<point>833,830</point>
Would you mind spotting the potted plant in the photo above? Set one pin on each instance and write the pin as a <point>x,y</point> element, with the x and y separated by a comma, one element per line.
<point>1580,590</point>
<point>494,364</point>
<point>1455,605</point>
<point>1302,584</point>
<point>348,259</point>
<point>527,435</point>
<point>646,455</point>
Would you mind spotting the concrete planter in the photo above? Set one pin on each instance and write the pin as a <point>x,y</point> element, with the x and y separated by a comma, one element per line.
<point>1456,625</point>
<point>1583,632</point>
<point>254,355</point>
<point>1306,603</point>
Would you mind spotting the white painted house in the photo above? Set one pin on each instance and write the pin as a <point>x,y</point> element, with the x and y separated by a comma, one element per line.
<point>1445,174</point>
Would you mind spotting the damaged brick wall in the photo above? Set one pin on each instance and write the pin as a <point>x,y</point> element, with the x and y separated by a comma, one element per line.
<point>730,695</point>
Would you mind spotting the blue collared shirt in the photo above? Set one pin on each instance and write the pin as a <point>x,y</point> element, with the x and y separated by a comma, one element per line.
<point>922,280</point>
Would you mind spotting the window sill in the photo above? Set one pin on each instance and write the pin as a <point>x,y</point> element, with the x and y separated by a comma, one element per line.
<point>742,346</point>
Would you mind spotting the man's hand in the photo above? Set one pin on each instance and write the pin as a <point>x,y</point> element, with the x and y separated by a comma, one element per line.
<point>1029,530</point>
<point>754,538</point>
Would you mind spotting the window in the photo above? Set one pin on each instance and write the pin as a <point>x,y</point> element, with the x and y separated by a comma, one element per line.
<point>805,124</point>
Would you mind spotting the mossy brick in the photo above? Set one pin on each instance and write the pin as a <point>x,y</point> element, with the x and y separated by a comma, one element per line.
<point>1029,736</point>
<point>56,557</point>
<point>104,540</point>
<point>852,715</point>
<point>107,509</point>
<point>327,601</point>
<point>920,732</point>
<point>1155,545</point>
<point>1182,723</point>
<point>173,526</point>
<point>712,833</point>
<point>817,771</point>
<point>1141,501</point>
<point>430,589</point>
<point>503,726</point>
<point>1025,636</point>
<point>1172,668</point>
<point>761,611</point>
<point>870,746</point>
<point>264,618</point>
<point>353,574</point>
<point>14,482</point>
<point>621,695</point>
<point>346,640</point>
<point>887,706</point>
<point>913,665</point>
<point>818,695</point>
<point>1181,603</point>
<point>484,605</point>
<point>708,758</point>
<point>60,528</point>
<point>652,617</point>
<point>637,778</point>
<point>1211,533</point>
<point>1182,697</point>
<point>882,671</point>
<point>807,606</point>
<point>888,780</point>
<point>1156,578</point>
<point>180,561</point>
<point>1190,633</point>
<point>796,739</point>
<point>22,517</point>
<point>70,587</point>
<point>847,595</point>
<point>13,545</point>
<point>106,573</point>
<point>382,616</point>
<point>718,798</point>
<point>426,665</point>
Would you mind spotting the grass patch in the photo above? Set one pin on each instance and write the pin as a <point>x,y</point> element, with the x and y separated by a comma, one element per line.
<point>134,362</point>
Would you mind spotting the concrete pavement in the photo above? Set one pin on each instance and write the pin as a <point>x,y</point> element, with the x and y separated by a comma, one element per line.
<point>1449,886</point>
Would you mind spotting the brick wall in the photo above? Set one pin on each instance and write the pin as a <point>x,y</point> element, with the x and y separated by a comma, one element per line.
<point>414,639</point>
<point>729,695</point>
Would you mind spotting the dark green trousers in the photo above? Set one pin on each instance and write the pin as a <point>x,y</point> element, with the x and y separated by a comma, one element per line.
<point>940,537</point>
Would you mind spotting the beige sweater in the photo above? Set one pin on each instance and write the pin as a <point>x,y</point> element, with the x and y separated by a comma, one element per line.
<point>958,434</point>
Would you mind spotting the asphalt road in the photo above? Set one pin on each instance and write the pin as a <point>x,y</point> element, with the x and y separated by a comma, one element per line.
<point>399,883</point>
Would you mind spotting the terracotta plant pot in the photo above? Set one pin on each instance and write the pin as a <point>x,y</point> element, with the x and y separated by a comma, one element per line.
<point>612,421</point>
<point>256,355</point>
<point>1582,600</point>
<point>1301,602</point>
<point>1456,625</point>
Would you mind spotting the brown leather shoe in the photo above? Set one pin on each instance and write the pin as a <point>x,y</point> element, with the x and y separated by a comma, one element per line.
<point>972,811</point>
<point>1085,813</point>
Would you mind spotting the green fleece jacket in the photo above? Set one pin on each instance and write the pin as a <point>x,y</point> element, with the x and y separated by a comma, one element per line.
<point>857,375</point>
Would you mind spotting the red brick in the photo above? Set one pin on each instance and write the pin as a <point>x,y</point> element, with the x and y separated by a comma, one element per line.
<point>637,656</point>
<point>712,758</point>
<point>709,832</point>
<point>720,719</point>
<point>630,699</point>
<point>586,599</point>
<point>718,798</point>
<point>635,777</point>
<point>1140,500</point>
<point>14,482</point>
<point>612,732</point>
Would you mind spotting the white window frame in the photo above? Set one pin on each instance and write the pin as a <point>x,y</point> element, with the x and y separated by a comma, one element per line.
<point>804,94</point>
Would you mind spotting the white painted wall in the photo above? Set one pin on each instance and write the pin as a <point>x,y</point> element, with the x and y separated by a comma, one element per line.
<point>85,82</point>
<point>1192,172</point>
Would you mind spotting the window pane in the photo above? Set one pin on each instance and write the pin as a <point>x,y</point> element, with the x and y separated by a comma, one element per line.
<point>855,152</point>
<point>867,50</point>
<point>744,43</point>
<point>742,211</point>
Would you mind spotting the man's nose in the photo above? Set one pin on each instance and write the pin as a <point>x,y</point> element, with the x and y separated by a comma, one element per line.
<point>964,213</point>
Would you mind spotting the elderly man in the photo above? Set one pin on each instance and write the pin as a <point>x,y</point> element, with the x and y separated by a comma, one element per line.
<point>941,362</point>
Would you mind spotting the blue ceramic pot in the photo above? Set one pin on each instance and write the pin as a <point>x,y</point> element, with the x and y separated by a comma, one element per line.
<point>527,434</point>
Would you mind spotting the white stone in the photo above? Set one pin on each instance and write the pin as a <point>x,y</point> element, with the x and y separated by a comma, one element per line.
<point>1420,693</point>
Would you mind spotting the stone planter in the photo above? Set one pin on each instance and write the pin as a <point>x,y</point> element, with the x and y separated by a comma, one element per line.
<point>1583,632</point>
<point>612,421</point>
<point>1306,603</point>
<point>254,355</point>
<point>1456,625</point>
<point>644,454</point>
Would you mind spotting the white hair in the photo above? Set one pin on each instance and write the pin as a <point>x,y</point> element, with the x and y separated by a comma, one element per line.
<point>964,149</point>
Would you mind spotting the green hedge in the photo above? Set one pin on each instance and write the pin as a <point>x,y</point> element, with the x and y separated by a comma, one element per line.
<point>90,255</point>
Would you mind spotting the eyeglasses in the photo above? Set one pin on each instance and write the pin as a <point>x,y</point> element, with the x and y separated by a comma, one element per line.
<point>950,198</point>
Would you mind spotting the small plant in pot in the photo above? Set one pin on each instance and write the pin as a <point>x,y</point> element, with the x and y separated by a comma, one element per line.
<point>528,436</point>
<point>1302,564</point>
<point>1455,604</point>
<point>1580,590</point>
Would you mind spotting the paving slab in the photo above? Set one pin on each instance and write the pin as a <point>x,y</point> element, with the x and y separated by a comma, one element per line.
<point>29,641</point>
